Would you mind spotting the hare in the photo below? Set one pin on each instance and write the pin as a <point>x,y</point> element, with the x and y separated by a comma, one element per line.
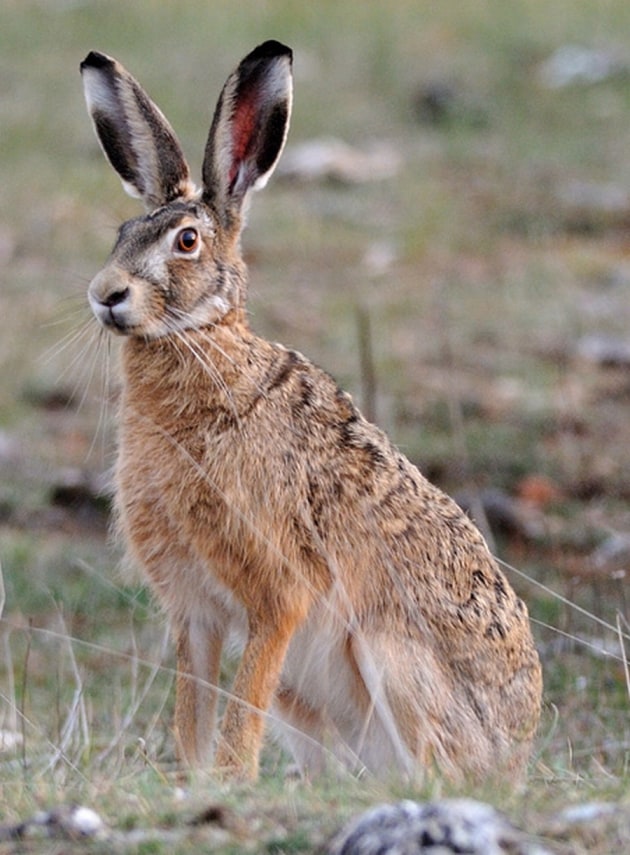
<point>372,622</point>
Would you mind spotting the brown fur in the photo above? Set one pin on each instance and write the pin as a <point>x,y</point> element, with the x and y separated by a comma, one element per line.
<point>264,509</point>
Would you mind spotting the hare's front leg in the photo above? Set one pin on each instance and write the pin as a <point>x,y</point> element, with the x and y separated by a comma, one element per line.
<point>199,649</point>
<point>255,683</point>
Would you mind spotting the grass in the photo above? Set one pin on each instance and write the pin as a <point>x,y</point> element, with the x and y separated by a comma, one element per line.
<point>492,280</point>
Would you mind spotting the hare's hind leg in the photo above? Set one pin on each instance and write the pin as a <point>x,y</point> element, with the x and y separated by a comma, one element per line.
<point>381,742</point>
<point>302,729</point>
<point>318,743</point>
<point>198,646</point>
<point>432,718</point>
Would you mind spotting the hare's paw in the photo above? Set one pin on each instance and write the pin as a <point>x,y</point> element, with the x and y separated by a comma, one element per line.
<point>230,765</point>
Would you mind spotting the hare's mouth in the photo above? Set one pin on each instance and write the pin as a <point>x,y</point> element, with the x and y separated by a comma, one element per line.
<point>116,324</point>
<point>114,317</point>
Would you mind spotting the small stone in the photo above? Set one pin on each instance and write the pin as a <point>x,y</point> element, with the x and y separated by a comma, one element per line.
<point>85,822</point>
<point>576,64</point>
<point>10,740</point>
<point>606,351</point>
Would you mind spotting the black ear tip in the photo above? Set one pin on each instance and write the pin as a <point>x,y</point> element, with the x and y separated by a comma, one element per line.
<point>96,60</point>
<point>271,49</point>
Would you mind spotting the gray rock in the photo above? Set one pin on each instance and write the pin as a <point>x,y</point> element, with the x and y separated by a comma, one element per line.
<point>438,828</point>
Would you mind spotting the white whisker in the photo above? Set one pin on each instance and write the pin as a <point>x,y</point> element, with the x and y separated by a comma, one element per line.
<point>103,341</point>
<point>68,316</point>
<point>66,341</point>
<point>213,372</point>
<point>89,367</point>
<point>78,361</point>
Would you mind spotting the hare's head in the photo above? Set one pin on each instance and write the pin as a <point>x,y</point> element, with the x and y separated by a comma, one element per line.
<point>179,265</point>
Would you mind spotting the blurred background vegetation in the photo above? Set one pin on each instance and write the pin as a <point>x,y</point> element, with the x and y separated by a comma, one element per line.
<point>452,244</point>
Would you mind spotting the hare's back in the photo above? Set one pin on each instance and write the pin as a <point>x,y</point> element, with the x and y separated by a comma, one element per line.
<point>399,545</point>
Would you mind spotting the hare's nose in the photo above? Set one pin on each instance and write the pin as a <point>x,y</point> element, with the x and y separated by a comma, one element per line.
<point>115,298</point>
<point>110,299</point>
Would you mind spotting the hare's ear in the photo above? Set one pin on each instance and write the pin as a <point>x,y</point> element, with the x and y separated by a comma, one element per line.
<point>134,134</point>
<point>249,128</point>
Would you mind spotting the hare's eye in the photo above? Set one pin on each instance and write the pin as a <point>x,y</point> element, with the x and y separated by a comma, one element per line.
<point>187,240</point>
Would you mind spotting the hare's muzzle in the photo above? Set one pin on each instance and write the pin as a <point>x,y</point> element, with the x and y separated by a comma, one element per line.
<point>110,300</point>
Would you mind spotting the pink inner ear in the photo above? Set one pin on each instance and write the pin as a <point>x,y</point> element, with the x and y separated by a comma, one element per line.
<point>244,123</point>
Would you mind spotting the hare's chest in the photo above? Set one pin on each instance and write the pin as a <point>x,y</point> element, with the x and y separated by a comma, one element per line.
<point>177,517</point>
<point>176,489</point>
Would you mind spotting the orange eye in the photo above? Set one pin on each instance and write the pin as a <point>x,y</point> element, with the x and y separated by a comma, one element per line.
<point>187,240</point>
